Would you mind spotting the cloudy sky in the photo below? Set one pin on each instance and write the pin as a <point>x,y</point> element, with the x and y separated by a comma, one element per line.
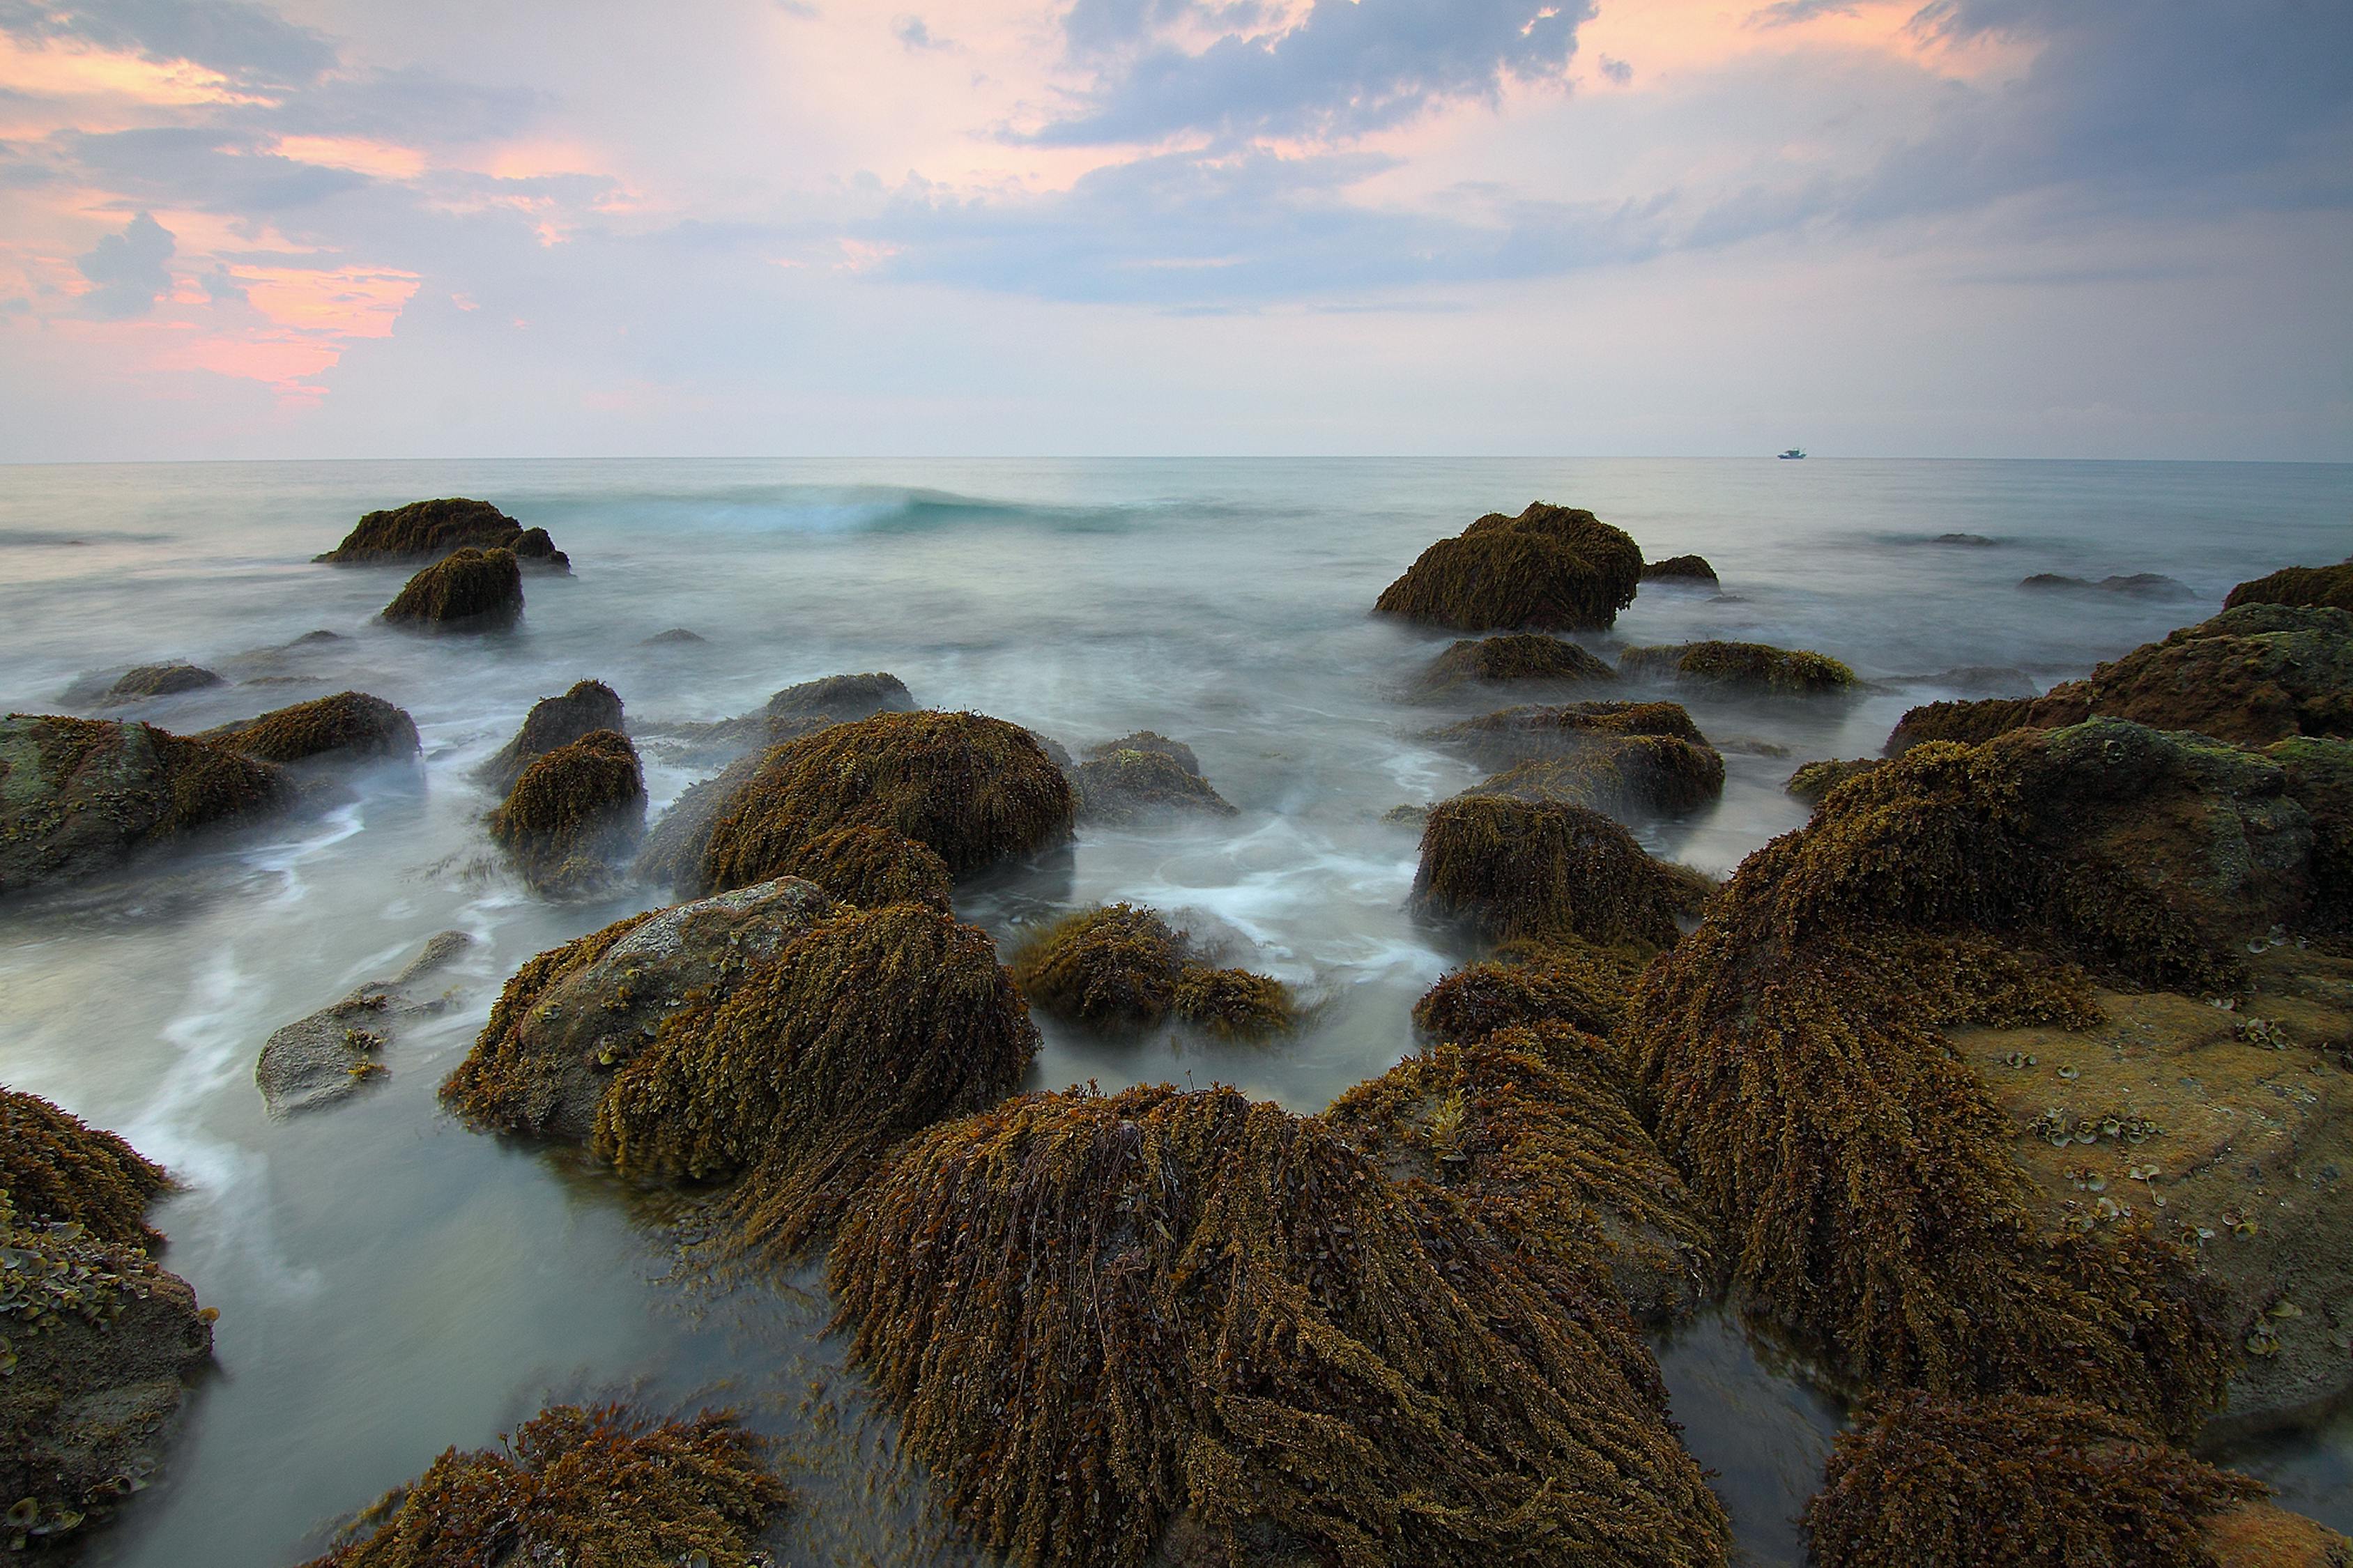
<point>2031,227</point>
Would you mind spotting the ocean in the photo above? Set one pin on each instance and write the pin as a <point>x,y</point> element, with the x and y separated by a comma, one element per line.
<point>390,1283</point>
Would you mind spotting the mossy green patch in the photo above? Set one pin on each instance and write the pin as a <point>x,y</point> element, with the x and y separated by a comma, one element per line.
<point>2325,586</point>
<point>56,1171</point>
<point>1755,665</point>
<point>351,724</point>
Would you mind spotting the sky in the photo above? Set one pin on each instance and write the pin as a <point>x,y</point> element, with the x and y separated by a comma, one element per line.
<point>2103,228</point>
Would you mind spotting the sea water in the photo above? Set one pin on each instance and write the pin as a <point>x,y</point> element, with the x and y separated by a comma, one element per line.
<point>390,1283</point>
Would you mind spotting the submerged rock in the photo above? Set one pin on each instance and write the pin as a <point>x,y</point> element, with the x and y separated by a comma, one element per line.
<point>1815,780</point>
<point>1624,757</point>
<point>573,813</point>
<point>2252,675</point>
<point>158,681</point>
<point>587,706</point>
<point>350,726</point>
<point>470,591</point>
<point>1139,777</point>
<point>1247,1324</point>
<point>676,637</point>
<point>430,530</point>
<point>972,789</point>
<point>98,1340</point>
<point>1551,568</point>
<point>2013,1481</point>
<point>2322,586</point>
<point>1531,869</point>
<point>327,1057</point>
<point>1679,568</point>
<point>1525,1129</point>
<point>797,710</point>
<point>766,1038</point>
<point>580,1486</point>
<point>1123,967</point>
<point>1796,1064</point>
<point>78,795</point>
<point>1518,656</point>
<point>1749,666</point>
<point>2139,585</point>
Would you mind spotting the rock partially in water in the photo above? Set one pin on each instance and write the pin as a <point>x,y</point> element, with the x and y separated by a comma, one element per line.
<point>327,1057</point>
<point>1532,869</point>
<point>1627,757</point>
<point>79,795</point>
<point>2323,586</point>
<point>470,591</point>
<point>573,814</point>
<point>430,530</point>
<point>1752,667</point>
<point>100,1341</point>
<point>767,1037</point>
<point>1512,657</point>
<point>672,856</point>
<point>1143,777</point>
<point>587,706</point>
<point>2014,1480</point>
<point>157,680</point>
<point>676,637</point>
<point>1796,1065</point>
<point>1558,980</point>
<point>580,1486</point>
<point>2252,675</point>
<point>1815,780</point>
<point>1551,568</point>
<point>1679,568</point>
<point>350,726</point>
<point>797,710</point>
<point>2139,586</point>
<point>972,789</point>
<point>1527,1129</point>
<point>1123,967</point>
<point>1247,1323</point>
<point>1976,541</point>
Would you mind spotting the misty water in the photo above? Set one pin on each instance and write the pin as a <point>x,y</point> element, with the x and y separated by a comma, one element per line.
<point>391,1283</point>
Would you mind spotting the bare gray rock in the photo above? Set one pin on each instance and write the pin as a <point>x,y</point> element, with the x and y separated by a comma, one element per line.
<point>324,1059</point>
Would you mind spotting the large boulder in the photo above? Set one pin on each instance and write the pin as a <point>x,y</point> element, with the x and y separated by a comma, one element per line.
<point>430,530</point>
<point>98,1340</point>
<point>1551,568</point>
<point>2252,675</point>
<point>767,1037</point>
<point>350,726</point>
<point>585,1486</point>
<point>470,591</point>
<point>587,706</point>
<point>1740,667</point>
<point>157,680</point>
<point>1693,569</point>
<point>1797,1059</point>
<point>1097,1315</point>
<point>1626,758</point>
<point>327,1057</point>
<point>1123,967</point>
<point>972,789</point>
<point>1527,656</point>
<point>78,795</point>
<point>1531,869</point>
<point>2327,587</point>
<point>573,814</point>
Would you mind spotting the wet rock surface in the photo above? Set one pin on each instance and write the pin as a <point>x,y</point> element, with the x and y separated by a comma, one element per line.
<point>587,706</point>
<point>469,591</point>
<point>1140,777</point>
<point>350,726</point>
<point>333,1054</point>
<point>432,530</point>
<point>1551,568</point>
<point>157,680</point>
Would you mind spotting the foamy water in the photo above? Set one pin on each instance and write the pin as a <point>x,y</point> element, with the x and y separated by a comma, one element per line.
<point>390,1283</point>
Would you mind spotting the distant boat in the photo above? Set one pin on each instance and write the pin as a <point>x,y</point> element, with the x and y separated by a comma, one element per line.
<point>1795,452</point>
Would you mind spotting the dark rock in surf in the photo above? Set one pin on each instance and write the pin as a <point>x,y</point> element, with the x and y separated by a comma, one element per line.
<point>1749,666</point>
<point>158,681</point>
<point>470,591</point>
<point>1141,777</point>
<point>1551,568</point>
<point>1531,869</point>
<point>1679,568</point>
<point>575,812</point>
<point>350,726</point>
<point>1513,656</point>
<point>2139,585</point>
<point>589,706</point>
<point>430,530</point>
<point>333,1054</point>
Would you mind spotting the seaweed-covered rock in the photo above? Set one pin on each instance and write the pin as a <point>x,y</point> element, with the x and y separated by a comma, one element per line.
<point>350,726</point>
<point>1551,568</point>
<point>2016,1482</point>
<point>2320,777</point>
<point>158,681</point>
<point>1247,1324</point>
<point>813,705</point>
<point>2252,675</point>
<point>1750,665</point>
<point>573,813</point>
<point>2329,587</point>
<point>1124,967</point>
<point>1527,1129</point>
<point>582,1485</point>
<point>1627,757</point>
<point>1815,780</point>
<point>787,1074</point>
<point>98,1338</point>
<point>1679,568</point>
<point>328,1055</point>
<point>587,706</point>
<point>1559,980</point>
<point>472,591</point>
<point>1794,1061</point>
<point>870,865</point>
<point>1125,782</point>
<point>1532,730</point>
<point>2139,586</point>
<point>430,530</point>
<point>1519,868</point>
<point>2220,1128</point>
<point>973,789</point>
<point>672,855</point>
<point>78,795</point>
<point>1513,656</point>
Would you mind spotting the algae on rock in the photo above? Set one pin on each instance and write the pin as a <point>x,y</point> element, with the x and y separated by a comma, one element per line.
<point>470,591</point>
<point>1551,568</point>
<point>573,813</point>
<point>348,726</point>
<point>2329,587</point>
<point>1532,869</point>
<point>1124,967</point>
<point>589,706</point>
<point>430,530</point>
<point>1752,666</point>
<point>1511,656</point>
